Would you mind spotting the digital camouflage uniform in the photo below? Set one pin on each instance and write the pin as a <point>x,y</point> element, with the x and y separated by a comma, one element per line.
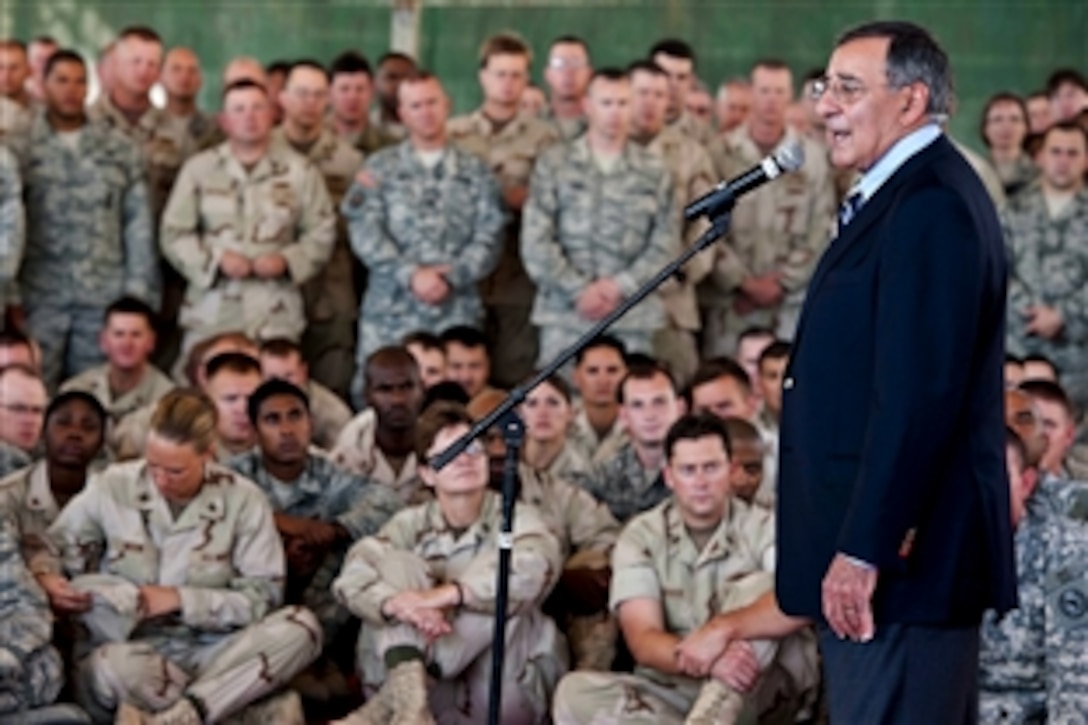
<point>31,671</point>
<point>623,484</point>
<point>227,646</point>
<point>784,226</point>
<point>449,214</point>
<point>12,227</point>
<point>332,303</point>
<point>582,224</point>
<point>510,150</point>
<point>1048,265</point>
<point>326,493</point>
<point>91,241</point>
<point>418,550</point>
<point>280,206</point>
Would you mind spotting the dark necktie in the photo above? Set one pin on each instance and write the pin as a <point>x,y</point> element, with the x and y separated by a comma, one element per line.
<point>849,209</point>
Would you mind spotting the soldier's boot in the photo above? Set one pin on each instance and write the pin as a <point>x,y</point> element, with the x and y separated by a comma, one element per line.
<point>717,704</point>
<point>407,685</point>
<point>593,641</point>
<point>378,710</point>
<point>182,712</point>
<point>281,708</point>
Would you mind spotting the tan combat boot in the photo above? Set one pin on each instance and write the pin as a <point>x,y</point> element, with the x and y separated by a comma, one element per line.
<point>181,712</point>
<point>717,704</point>
<point>407,685</point>
<point>376,711</point>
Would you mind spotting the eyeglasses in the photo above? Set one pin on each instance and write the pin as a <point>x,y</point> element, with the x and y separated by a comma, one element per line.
<point>845,90</point>
<point>21,409</point>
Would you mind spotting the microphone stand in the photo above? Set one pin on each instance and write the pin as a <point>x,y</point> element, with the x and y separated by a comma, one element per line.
<point>505,415</point>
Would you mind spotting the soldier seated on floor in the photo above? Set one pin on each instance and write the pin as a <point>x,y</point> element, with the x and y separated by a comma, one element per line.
<point>319,508</point>
<point>182,572</point>
<point>675,567</point>
<point>425,590</point>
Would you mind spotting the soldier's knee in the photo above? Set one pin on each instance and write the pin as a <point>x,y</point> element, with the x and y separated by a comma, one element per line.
<point>569,704</point>
<point>297,630</point>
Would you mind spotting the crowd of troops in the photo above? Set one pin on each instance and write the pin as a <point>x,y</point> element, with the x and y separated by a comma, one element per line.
<point>232,343</point>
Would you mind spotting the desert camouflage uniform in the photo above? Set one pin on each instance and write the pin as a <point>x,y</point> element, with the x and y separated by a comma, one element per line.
<point>280,206</point>
<point>227,646</point>
<point>417,550</point>
<point>357,450</point>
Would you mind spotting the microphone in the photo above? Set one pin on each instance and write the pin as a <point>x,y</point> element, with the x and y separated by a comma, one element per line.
<point>725,194</point>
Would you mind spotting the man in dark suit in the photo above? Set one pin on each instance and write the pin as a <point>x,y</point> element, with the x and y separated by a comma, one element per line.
<point>894,529</point>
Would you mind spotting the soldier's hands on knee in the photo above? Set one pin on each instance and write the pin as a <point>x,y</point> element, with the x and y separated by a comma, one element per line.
<point>63,597</point>
<point>738,667</point>
<point>697,653</point>
<point>270,266</point>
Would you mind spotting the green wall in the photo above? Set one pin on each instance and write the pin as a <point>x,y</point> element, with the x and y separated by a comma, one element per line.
<point>994,44</point>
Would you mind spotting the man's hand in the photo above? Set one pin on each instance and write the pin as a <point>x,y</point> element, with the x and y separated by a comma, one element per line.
<point>234,265</point>
<point>429,283</point>
<point>155,601</point>
<point>764,290</point>
<point>737,667</point>
<point>697,653</point>
<point>424,610</point>
<point>847,598</point>
<point>598,299</point>
<point>1042,321</point>
<point>270,266</point>
<point>63,597</point>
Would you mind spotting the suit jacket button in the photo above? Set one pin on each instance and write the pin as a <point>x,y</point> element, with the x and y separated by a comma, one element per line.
<point>787,384</point>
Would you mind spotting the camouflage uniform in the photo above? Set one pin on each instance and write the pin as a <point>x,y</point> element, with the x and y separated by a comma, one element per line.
<point>226,647</point>
<point>280,206</point>
<point>418,550</point>
<point>11,458</point>
<point>96,381</point>
<point>581,224</point>
<point>693,176</point>
<point>568,129</point>
<point>330,494</point>
<point>783,226</point>
<point>370,140</point>
<point>332,304</point>
<point>1049,266</point>
<point>31,671</point>
<point>12,226</point>
<point>89,224</point>
<point>584,436</point>
<point>330,414</point>
<point>14,123</point>
<point>692,128</point>
<point>510,151</point>
<point>28,496</point>
<point>572,464</point>
<point>357,450</point>
<point>165,144</point>
<point>450,214</point>
<point>625,486</point>
<point>576,519</point>
<point>1067,612</point>
<point>656,558</point>
<point>390,129</point>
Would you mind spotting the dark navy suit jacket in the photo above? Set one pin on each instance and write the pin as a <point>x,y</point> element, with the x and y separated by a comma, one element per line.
<point>892,434</point>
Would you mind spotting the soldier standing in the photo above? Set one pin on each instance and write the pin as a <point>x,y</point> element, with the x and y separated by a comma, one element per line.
<point>777,233</point>
<point>249,221</point>
<point>89,218</point>
<point>600,220</point>
<point>510,142</point>
<point>428,232</point>
<point>1046,226</point>
<point>332,304</point>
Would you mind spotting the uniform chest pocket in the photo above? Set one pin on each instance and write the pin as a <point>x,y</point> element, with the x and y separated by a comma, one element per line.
<point>135,561</point>
<point>210,568</point>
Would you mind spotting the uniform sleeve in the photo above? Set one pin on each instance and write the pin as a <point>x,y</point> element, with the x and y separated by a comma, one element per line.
<point>257,587</point>
<point>545,260</point>
<point>633,573</point>
<point>1066,611</point>
<point>316,230</point>
<point>366,506</point>
<point>26,623</point>
<point>360,587</point>
<point>662,243</point>
<point>368,229</point>
<point>700,183</point>
<point>181,237</point>
<point>77,538</point>
<point>480,257</point>
<point>141,258</point>
<point>591,525</point>
<point>535,566</point>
